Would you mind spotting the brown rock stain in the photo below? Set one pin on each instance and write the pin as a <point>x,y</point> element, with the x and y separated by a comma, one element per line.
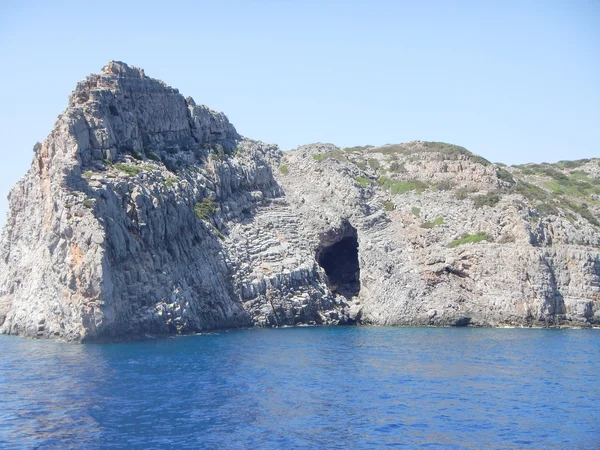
<point>76,262</point>
<point>76,256</point>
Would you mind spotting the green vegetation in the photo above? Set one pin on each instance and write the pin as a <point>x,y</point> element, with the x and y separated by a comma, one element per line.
<point>397,167</point>
<point>389,206</point>
<point>402,187</point>
<point>545,209</point>
<point>461,194</point>
<point>573,191</point>
<point>361,165</point>
<point>217,232</point>
<point>390,149</point>
<point>505,175</point>
<point>531,191</point>
<point>108,162</point>
<point>552,173</point>
<point>416,211</point>
<point>445,185</point>
<point>526,171</point>
<point>153,156</point>
<point>543,169</point>
<point>490,199</point>
<point>572,164</point>
<point>443,147</point>
<point>206,208</point>
<point>130,170</point>
<point>357,148</point>
<point>217,149</point>
<point>87,174</point>
<point>137,155</point>
<point>447,151</point>
<point>437,222</point>
<point>364,182</point>
<point>338,155</point>
<point>468,239</point>
<point>88,203</point>
<point>284,169</point>
<point>220,152</point>
<point>583,210</point>
<point>542,200</point>
<point>576,184</point>
<point>480,160</point>
<point>374,164</point>
<point>171,181</point>
<point>583,176</point>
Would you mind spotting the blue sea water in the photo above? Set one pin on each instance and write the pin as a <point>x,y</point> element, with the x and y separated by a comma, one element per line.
<point>338,387</point>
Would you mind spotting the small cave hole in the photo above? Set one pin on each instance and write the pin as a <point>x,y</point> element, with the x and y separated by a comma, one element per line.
<point>340,262</point>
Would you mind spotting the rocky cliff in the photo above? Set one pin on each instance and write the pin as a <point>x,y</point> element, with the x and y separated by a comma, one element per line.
<point>144,213</point>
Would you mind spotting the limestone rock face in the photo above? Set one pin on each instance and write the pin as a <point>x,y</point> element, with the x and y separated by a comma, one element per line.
<point>447,238</point>
<point>144,213</point>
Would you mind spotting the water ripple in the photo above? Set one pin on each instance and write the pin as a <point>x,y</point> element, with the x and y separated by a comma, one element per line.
<point>338,387</point>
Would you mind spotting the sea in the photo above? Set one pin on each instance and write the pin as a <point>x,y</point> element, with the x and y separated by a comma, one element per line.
<point>307,387</point>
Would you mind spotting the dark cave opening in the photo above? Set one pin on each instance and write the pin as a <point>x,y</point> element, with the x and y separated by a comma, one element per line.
<point>340,262</point>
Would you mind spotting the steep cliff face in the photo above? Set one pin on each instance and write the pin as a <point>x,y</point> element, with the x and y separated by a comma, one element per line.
<point>144,213</point>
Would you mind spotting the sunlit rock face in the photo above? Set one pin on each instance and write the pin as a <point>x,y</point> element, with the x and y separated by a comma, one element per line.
<point>145,213</point>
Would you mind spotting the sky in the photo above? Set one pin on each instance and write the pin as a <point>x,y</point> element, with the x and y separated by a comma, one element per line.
<point>513,81</point>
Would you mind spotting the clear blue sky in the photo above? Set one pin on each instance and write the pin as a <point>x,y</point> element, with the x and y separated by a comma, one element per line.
<point>514,81</point>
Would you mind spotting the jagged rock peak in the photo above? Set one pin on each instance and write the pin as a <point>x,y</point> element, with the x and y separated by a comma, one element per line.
<point>121,111</point>
<point>122,69</point>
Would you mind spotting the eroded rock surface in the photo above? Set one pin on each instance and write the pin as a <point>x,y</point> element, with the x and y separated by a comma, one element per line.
<point>144,213</point>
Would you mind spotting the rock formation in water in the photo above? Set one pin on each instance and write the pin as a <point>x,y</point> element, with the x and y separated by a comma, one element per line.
<point>144,213</point>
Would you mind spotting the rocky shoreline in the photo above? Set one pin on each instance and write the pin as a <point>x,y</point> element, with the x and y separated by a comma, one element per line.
<point>144,213</point>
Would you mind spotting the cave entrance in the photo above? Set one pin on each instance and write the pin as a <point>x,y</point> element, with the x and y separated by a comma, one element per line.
<point>340,262</point>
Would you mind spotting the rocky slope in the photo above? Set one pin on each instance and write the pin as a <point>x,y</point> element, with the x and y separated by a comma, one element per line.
<point>144,213</point>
